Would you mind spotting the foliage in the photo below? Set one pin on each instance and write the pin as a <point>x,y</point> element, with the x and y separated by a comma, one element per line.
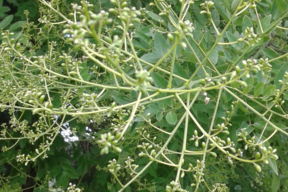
<point>162,95</point>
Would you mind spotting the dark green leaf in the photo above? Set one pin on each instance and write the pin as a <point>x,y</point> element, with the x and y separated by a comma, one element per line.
<point>273,165</point>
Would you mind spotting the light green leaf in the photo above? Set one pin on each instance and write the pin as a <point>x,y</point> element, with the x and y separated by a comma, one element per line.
<point>265,22</point>
<point>282,5</point>
<point>246,22</point>
<point>232,38</point>
<point>150,57</point>
<point>159,81</point>
<point>159,116</point>
<point>280,75</point>
<point>258,89</point>
<point>6,21</point>
<point>270,53</point>
<point>160,44</point>
<point>269,91</point>
<point>16,25</point>
<point>247,89</point>
<point>154,16</point>
<point>171,118</point>
<point>214,56</point>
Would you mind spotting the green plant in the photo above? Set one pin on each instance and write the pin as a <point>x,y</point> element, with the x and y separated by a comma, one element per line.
<point>188,90</point>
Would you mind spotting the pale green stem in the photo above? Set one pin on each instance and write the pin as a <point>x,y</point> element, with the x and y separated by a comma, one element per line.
<point>172,67</point>
<point>164,57</point>
<point>132,115</point>
<point>181,161</point>
<point>247,6</point>
<point>161,150</point>
<point>211,127</point>
<point>258,18</point>
<point>264,128</point>
<point>214,46</point>
<point>276,58</point>
<point>256,112</point>
<point>284,28</point>
<point>209,136</point>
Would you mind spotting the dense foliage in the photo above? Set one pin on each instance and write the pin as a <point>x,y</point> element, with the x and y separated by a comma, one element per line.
<point>144,95</point>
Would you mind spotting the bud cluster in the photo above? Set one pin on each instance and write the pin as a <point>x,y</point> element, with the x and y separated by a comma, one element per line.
<point>109,141</point>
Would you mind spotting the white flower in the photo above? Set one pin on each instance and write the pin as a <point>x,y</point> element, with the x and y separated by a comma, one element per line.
<point>206,100</point>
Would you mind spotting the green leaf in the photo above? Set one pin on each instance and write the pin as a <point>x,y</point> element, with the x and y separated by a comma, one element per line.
<point>154,16</point>
<point>179,70</point>
<point>160,44</point>
<point>150,57</point>
<point>269,91</point>
<point>275,183</point>
<point>232,38</point>
<point>273,165</point>
<point>280,75</point>
<point>6,21</point>
<point>246,22</point>
<point>4,9</point>
<point>270,53</point>
<point>171,118</point>
<point>222,11</point>
<point>16,25</point>
<point>121,99</point>
<point>214,56</point>
<point>282,5</point>
<point>159,116</point>
<point>258,89</point>
<point>265,22</point>
<point>63,179</point>
<point>85,74</point>
<point>158,80</point>
<point>247,89</point>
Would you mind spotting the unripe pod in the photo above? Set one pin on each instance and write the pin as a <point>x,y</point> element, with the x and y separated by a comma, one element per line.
<point>237,69</point>
<point>41,99</point>
<point>258,168</point>
<point>258,155</point>
<point>170,37</point>
<point>213,154</point>
<point>203,145</point>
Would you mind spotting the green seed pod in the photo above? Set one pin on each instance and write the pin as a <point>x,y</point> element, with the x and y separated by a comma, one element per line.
<point>258,168</point>
<point>124,4</point>
<point>237,69</point>
<point>230,161</point>
<point>213,154</point>
<point>243,83</point>
<point>50,106</point>
<point>258,155</point>
<point>196,143</point>
<point>41,99</point>
<point>36,110</point>
<point>228,140</point>
<point>203,145</point>
<point>233,75</point>
<point>170,37</point>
